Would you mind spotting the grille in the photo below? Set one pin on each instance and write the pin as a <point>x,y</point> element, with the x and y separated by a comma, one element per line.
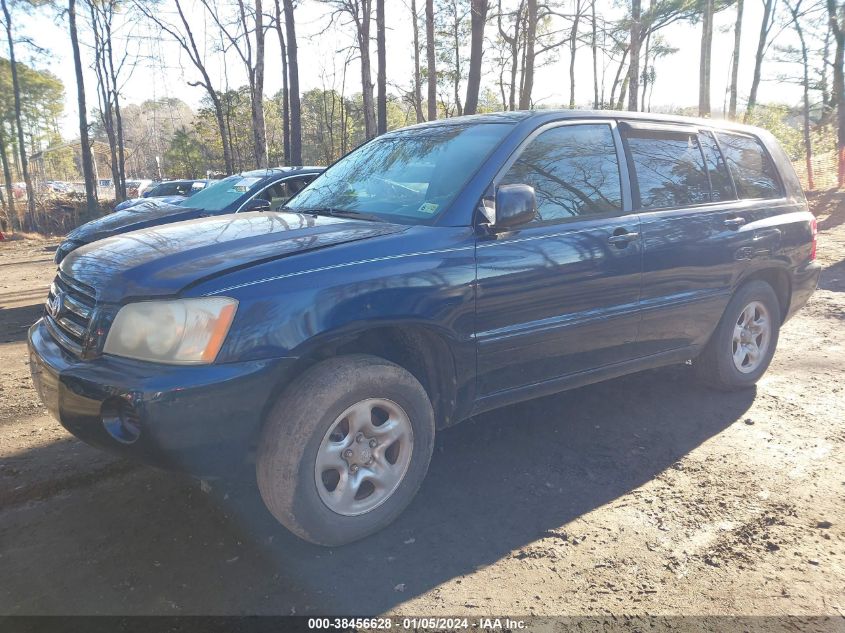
<point>70,306</point>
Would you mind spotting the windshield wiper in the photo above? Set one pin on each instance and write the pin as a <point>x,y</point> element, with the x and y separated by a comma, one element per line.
<point>335,213</point>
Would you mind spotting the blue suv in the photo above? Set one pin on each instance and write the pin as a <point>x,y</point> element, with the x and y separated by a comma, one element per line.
<point>434,273</point>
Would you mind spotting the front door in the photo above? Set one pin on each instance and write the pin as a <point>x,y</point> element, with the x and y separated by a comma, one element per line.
<point>559,295</point>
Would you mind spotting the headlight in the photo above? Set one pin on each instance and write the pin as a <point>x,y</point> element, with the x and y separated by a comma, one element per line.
<point>185,331</point>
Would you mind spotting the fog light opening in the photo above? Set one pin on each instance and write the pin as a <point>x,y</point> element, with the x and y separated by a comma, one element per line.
<point>120,419</point>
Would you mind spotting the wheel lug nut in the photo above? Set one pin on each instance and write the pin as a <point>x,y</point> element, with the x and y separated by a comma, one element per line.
<point>373,443</point>
<point>360,438</point>
<point>353,468</point>
<point>347,452</point>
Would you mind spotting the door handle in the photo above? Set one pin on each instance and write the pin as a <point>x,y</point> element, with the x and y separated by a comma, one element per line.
<point>623,238</point>
<point>734,223</point>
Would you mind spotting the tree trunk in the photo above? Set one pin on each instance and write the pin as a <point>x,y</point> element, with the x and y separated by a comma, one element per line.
<point>293,80</point>
<point>735,60</point>
<point>527,83</point>
<point>363,34</point>
<point>634,68</point>
<point>417,97</point>
<point>618,77</point>
<point>594,47</point>
<point>259,130</point>
<point>765,25</point>
<point>285,98</point>
<point>645,73</point>
<point>838,83</point>
<point>573,48</point>
<point>808,141</point>
<point>30,192</point>
<point>381,71</point>
<point>704,62</point>
<point>478,18</point>
<point>623,92</point>
<point>85,147</point>
<point>429,53</point>
<point>120,183</point>
<point>456,36</point>
<point>14,222</point>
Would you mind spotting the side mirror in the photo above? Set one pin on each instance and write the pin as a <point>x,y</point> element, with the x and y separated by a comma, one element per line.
<point>257,204</point>
<point>515,205</point>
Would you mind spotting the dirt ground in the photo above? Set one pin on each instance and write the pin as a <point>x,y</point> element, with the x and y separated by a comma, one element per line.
<point>643,495</point>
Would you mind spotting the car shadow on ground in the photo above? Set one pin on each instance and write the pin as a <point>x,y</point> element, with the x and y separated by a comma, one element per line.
<point>151,542</point>
<point>15,322</point>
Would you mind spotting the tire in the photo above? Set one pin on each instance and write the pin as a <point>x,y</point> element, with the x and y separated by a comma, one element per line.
<point>729,366</point>
<point>338,396</point>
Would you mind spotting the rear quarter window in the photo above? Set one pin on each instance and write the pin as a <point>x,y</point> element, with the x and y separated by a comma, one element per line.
<point>754,174</point>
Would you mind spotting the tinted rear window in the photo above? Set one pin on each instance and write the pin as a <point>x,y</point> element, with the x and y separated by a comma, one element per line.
<point>753,172</point>
<point>669,169</point>
<point>573,169</point>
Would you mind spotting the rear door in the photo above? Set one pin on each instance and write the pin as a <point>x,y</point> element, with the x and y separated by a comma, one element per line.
<point>692,220</point>
<point>559,295</point>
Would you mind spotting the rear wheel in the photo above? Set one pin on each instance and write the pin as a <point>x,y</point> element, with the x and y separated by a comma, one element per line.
<point>345,449</point>
<point>741,348</point>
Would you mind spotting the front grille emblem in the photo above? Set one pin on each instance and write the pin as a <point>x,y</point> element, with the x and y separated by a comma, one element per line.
<point>56,305</point>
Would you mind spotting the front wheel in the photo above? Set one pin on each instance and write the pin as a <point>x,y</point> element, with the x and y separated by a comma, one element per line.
<point>345,449</point>
<point>741,348</point>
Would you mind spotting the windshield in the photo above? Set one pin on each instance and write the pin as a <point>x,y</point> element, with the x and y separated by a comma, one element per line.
<point>408,176</point>
<point>219,195</point>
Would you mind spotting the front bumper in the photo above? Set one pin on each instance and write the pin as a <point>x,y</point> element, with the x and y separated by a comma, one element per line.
<point>200,419</point>
<point>805,280</point>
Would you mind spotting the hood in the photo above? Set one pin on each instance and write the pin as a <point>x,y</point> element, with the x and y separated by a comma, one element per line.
<point>139,216</point>
<point>166,259</point>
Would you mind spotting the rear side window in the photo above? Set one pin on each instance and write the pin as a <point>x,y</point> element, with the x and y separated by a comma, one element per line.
<point>720,180</point>
<point>752,170</point>
<point>669,169</point>
<point>574,172</point>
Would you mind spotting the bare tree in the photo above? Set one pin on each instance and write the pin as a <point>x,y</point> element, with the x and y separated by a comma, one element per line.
<point>478,18</point>
<point>381,70</point>
<point>595,50</point>
<point>9,200</point>
<point>184,37</point>
<point>797,14</point>
<point>527,82</point>
<point>240,37</point>
<point>705,61</point>
<point>293,78</point>
<point>735,60</point>
<point>30,191</point>
<point>766,24</point>
<point>84,144</point>
<point>634,68</point>
<point>417,91</point>
<point>431,69</point>
<point>360,13</point>
<point>837,29</point>
<point>277,23</point>
<point>108,74</point>
<point>573,49</point>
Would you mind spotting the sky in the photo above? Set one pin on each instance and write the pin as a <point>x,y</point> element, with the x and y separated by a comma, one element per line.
<point>165,71</point>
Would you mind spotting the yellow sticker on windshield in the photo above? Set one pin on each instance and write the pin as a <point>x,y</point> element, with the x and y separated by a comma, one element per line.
<point>428,208</point>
